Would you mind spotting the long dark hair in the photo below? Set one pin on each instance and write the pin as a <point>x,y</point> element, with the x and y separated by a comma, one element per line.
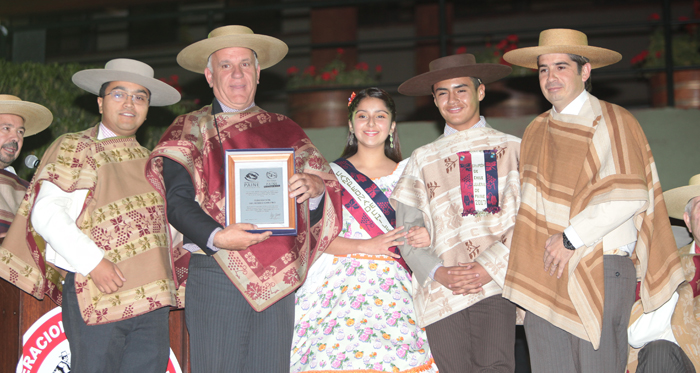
<point>351,144</point>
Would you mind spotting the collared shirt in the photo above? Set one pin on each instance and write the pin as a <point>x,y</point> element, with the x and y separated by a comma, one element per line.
<point>449,130</point>
<point>11,170</point>
<point>574,107</point>
<point>54,215</point>
<point>227,109</point>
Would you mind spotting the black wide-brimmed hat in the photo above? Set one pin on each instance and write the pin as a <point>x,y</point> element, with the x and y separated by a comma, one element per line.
<point>455,66</point>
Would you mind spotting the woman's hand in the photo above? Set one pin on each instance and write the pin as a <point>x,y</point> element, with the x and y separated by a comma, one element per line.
<point>380,245</point>
<point>418,237</point>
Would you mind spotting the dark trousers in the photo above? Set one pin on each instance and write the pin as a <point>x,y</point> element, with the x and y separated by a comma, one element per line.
<point>554,350</point>
<point>138,344</point>
<point>226,333</point>
<point>480,338</point>
<point>663,357</point>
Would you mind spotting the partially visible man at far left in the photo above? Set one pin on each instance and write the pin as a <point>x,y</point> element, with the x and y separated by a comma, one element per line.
<point>91,232</point>
<point>18,119</point>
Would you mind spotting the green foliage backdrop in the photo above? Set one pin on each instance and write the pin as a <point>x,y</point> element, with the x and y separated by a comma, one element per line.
<point>73,109</point>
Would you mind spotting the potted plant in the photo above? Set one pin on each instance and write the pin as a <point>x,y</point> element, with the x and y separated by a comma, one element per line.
<point>514,96</point>
<point>686,52</point>
<point>318,97</point>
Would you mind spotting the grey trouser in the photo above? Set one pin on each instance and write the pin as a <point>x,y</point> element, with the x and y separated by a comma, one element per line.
<point>226,333</point>
<point>137,344</point>
<point>480,338</point>
<point>554,350</point>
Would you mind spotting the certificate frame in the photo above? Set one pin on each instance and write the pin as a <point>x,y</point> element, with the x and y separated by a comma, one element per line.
<point>257,189</point>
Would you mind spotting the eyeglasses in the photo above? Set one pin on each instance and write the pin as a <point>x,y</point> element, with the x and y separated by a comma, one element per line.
<point>121,96</point>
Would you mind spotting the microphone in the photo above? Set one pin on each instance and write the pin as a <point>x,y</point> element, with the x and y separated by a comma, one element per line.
<point>31,161</point>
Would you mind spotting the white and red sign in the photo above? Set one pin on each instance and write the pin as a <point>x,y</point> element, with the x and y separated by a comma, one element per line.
<point>46,350</point>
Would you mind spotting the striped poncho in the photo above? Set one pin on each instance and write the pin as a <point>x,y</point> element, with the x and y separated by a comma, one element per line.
<point>567,163</point>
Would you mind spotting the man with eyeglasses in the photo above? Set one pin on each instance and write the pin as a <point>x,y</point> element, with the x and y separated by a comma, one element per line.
<point>91,219</point>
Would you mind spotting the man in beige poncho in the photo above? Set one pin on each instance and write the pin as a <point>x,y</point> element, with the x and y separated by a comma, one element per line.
<point>591,211</point>
<point>91,232</point>
<point>464,187</point>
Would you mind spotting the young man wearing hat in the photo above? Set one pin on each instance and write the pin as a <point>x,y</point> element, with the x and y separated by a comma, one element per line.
<point>18,119</point>
<point>464,187</point>
<point>591,210</point>
<point>240,285</point>
<point>667,339</point>
<point>92,235</point>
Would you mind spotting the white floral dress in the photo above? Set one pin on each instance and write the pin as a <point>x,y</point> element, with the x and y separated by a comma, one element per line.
<point>355,312</point>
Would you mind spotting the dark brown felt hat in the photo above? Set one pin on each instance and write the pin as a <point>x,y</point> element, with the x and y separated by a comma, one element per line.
<point>455,66</point>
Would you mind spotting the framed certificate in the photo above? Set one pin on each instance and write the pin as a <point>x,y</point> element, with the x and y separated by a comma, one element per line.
<point>257,190</point>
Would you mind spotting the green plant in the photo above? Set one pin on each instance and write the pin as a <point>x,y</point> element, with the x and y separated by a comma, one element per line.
<point>73,109</point>
<point>494,54</point>
<point>335,73</point>
<point>686,46</point>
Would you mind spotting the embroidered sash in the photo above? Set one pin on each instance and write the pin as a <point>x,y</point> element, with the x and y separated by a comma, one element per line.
<point>366,202</point>
<point>478,179</point>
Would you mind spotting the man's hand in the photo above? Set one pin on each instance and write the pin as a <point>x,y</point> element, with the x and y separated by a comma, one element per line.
<point>463,279</point>
<point>418,237</point>
<point>235,237</point>
<point>107,277</point>
<point>556,255</point>
<point>303,186</point>
<point>380,245</point>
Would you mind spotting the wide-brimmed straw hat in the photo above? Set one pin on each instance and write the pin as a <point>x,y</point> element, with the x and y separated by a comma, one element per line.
<point>455,66</point>
<point>560,40</point>
<point>269,50</point>
<point>127,70</point>
<point>36,117</point>
<point>677,198</point>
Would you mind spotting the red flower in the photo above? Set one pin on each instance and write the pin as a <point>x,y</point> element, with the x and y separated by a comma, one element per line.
<point>461,50</point>
<point>362,66</point>
<point>683,18</point>
<point>311,70</point>
<point>488,45</point>
<point>510,48</point>
<point>504,62</point>
<point>640,57</point>
<point>512,38</point>
<point>326,76</point>
<point>174,78</point>
<point>502,44</point>
<point>340,50</point>
<point>292,70</point>
<point>654,17</point>
<point>378,68</point>
<point>334,72</point>
<point>496,53</point>
<point>658,54</point>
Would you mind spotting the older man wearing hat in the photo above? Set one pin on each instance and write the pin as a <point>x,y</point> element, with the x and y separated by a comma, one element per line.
<point>668,340</point>
<point>92,234</point>
<point>240,284</point>
<point>591,211</point>
<point>18,119</point>
<point>464,187</point>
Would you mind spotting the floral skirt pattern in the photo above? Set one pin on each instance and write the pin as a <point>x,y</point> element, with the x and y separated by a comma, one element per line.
<point>360,319</point>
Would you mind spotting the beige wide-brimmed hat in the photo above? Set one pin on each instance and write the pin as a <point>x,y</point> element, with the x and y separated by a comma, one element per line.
<point>455,66</point>
<point>559,40</point>
<point>677,198</point>
<point>127,70</point>
<point>36,117</point>
<point>269,50</point>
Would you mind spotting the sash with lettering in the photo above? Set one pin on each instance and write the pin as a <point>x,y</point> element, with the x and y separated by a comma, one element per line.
<point>366,202</point>
<point>266,272</point>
